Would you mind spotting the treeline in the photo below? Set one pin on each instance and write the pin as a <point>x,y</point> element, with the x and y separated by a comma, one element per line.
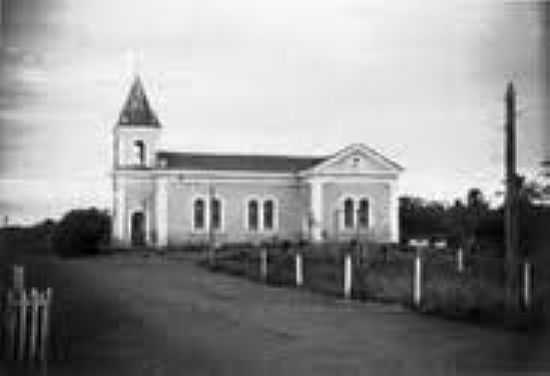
<point>472,224</point>
<point>79,232</point>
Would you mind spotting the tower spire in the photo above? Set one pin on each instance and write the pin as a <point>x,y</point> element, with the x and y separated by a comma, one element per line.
<point>136,110</point>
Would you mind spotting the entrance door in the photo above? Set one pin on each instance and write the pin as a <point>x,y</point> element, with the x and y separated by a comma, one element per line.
<point>138,229</point>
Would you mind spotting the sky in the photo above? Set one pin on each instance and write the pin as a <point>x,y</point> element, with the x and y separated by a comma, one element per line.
<point>421,82</point>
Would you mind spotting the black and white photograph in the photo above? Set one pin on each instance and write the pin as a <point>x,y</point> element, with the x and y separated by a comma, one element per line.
<point>259,187</point>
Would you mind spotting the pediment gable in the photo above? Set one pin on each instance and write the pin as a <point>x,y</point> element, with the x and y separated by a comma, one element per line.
<point>356,159</point>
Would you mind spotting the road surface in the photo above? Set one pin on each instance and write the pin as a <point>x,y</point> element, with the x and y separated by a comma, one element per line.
<point>135,315</point>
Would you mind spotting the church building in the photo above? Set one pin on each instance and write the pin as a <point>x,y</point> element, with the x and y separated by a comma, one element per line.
<point>166,198</point>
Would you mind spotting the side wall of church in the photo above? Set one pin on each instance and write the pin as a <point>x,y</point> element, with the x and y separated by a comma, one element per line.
<point>292,207</point>
<point>290,199</point>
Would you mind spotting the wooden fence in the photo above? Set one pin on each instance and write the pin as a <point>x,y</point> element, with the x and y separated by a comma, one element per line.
<point>25,321</point>
<point>349,279</point>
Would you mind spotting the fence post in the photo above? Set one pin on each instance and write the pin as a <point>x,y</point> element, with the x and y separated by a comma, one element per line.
<point>299,269</point>
<point>527,284</point>
<point>460,260</point>
<point>18,278</point>
<point>347,275</point>
<point>45,323</point>
<point>211,255</point>
<point>417,279</point>
<point>263,263</point>
<point>363,252</point>
<point>34,323</point>
<point>22,313</point>
<point>9,335</point>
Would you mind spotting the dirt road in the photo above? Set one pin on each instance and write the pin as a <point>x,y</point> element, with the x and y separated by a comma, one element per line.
<point>151,316</point>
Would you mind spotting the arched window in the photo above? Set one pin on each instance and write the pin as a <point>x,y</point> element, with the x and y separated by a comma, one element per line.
<point>139,152</point>
<point>268,214</point>
<point>216,214</point>
<point>363,213</point>
<point>252,219</point>
<point>348,213</point>
<point>198,214</point>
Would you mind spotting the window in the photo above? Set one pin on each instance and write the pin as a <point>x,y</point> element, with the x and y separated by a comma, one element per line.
<point>354,213</point>
<point>198,214</point>
<point>216,213</point>
<point>348,213</point>
<point>363,213</point>
<point>261,214</point>
<point>253,215</point>
<point>268,215</point>
<point>207,213</point>
<point>139,152</point>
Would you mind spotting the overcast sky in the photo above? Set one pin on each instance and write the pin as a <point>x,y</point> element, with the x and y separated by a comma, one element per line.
<point>421,82</point>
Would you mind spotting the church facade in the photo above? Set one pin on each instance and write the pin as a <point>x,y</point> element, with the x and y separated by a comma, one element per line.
<point>163,198</point>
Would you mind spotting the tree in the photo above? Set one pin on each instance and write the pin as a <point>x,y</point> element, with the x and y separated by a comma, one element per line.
<point>531,222</point>
<point>476,210</point>
<point>455,222</point>
<point>81,231</point>
<point>470,224</point>
<point>421,218</point>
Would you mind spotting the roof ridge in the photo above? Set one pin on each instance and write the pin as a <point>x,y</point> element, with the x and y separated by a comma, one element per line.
<point>235,162</point>
<point>238,154</point>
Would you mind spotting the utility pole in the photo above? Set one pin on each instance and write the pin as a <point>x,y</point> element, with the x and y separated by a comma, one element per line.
<point>211,197</point>
<point>209,217</point>
<point>511,201</point>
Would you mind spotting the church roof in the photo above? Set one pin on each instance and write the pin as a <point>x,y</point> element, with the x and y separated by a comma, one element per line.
<point>137,110</point>
<point>237,162</point>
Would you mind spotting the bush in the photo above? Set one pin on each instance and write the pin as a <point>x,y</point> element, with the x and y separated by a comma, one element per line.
<point>81,232</point>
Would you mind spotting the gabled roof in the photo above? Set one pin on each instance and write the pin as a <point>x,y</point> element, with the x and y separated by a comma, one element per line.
<point>372,154</point>
<point>236,162</point>
<point>267,163</point>
<point>136,110</point>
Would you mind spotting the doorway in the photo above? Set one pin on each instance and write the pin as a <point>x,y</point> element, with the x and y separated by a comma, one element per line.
<point>138,229</point>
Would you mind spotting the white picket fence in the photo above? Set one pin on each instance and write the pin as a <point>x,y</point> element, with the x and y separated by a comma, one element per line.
<point>25,321</point>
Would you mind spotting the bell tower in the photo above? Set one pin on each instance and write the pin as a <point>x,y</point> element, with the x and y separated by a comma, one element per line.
<point>137,131</point>
<point>135,142</point>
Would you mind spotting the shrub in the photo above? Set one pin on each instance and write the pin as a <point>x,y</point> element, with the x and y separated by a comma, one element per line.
<point>81,232</point>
